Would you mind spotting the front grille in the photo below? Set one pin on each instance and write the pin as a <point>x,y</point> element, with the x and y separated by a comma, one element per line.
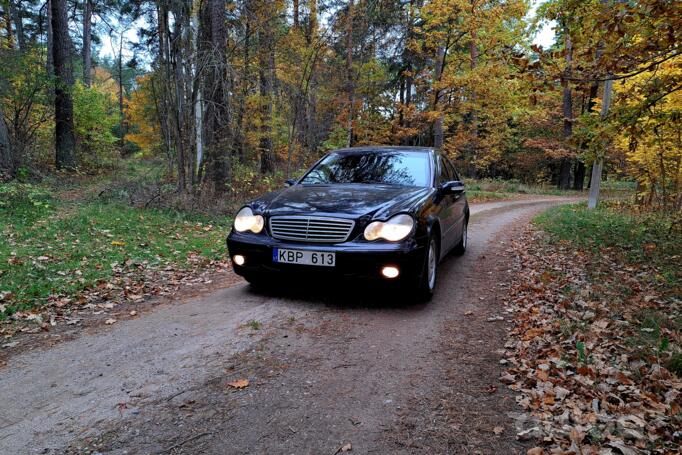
<point>311,229</point>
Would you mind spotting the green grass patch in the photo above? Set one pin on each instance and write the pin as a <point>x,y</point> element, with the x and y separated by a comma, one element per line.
<point>55,248</point>
<point>640,238</point>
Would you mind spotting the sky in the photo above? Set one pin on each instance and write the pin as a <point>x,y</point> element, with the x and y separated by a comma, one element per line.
<point>545,36</point>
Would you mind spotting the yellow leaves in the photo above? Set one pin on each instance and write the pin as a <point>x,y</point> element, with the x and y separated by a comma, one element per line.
<point>118,243</point>
<point>652,143</point>
<point>141,112</point>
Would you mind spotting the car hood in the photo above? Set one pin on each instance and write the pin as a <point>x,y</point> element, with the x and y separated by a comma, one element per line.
<point>353,200</point>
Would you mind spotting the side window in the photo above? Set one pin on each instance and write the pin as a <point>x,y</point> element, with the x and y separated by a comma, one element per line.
<point>444,174</point>
<point>451,167</point>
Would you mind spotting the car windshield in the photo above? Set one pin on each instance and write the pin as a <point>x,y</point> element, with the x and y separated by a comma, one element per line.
<point>393,168</point>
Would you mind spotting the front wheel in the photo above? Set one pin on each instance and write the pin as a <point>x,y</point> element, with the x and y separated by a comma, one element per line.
<point>461,247</point>
<point>427,279</point>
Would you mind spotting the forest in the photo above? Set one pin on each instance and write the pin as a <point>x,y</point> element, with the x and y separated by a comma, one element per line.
<point>133,131</point>
<point>228,97</point>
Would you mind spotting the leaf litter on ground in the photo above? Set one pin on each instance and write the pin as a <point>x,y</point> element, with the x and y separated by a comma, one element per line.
<point>589,379</point>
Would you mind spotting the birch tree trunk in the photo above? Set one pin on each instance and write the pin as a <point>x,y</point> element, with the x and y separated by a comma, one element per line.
<point>598,166</point>
<point>65,140</point>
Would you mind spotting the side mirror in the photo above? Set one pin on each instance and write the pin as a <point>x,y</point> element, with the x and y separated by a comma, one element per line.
<point>452,187</point>
<point>289,182</point>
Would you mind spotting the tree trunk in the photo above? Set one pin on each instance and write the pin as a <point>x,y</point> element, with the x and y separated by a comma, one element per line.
<point>595,182</point>
<point>49,38</point>
<point>239,137</point>
<point>87,39</point>
<point>11,42</point>
<point>406,85</point>
<point>121,115</point>
<point>162,103</point>
<point>19,27</point>
<point>579,175</point>
<point>296,12</point>
<point>178,83</point>
<point>197,97</point>
<point>350,86</point>
<point>473,116</point>
<point>6,158</point>
<point>266,69</point>
<point>438,123</point>
<point>218,152</point>
<point>65,140</point>
<point>311,129</point>
<point>565,167</point>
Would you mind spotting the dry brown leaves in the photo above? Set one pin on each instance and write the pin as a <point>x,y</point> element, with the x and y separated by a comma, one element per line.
<point>585,383</point>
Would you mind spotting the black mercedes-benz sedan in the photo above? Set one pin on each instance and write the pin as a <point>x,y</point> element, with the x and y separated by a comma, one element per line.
<point>383,213</point>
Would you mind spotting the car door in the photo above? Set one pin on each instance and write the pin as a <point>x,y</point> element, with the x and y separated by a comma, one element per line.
<point>459,202</point>
<point>446,201</point>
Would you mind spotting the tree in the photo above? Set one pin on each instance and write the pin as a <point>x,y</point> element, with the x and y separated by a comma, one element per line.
<point>6,159</point>
<point>266,75</point>
<point>350,86</point>
<point>65,141</point>
<point>87,40</point>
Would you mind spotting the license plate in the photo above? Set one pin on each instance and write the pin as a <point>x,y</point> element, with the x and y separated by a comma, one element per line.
<point>321,258</point>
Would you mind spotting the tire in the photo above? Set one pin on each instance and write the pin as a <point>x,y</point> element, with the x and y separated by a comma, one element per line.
<point>461,247</point>
<point>426,283</point>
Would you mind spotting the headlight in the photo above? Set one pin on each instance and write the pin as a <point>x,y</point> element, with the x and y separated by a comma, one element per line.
<point>397,228</point>
<point>247,221</point>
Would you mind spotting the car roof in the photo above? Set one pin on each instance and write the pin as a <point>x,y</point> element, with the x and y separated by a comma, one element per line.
<point>383,148</point>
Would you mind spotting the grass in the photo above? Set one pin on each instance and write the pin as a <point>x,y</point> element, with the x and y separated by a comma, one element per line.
<point>254,324</point>
<point>53,248</point>
<point>640,238</point>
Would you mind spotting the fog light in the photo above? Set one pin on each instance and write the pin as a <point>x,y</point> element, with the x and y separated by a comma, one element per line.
<point>238,259</point>
<point>390,272</point>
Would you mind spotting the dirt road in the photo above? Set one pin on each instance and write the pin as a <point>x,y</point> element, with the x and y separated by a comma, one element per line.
<point>326,368</point>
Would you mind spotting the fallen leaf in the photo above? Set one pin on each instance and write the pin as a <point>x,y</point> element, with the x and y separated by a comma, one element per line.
<point>535,451</point>
<point>110,321</point>
<point>239,383</point>
<point>498,430</point>
<point>347,448</point>
<point>118,243</point>
<point>133,313</point>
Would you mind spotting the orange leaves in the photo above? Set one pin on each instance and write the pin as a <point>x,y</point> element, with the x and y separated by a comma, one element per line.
<point>532,333</point>
<point>575,357</point>
<point>239,384</point>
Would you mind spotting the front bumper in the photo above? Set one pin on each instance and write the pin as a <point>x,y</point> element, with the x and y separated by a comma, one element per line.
<point>354,259</point>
